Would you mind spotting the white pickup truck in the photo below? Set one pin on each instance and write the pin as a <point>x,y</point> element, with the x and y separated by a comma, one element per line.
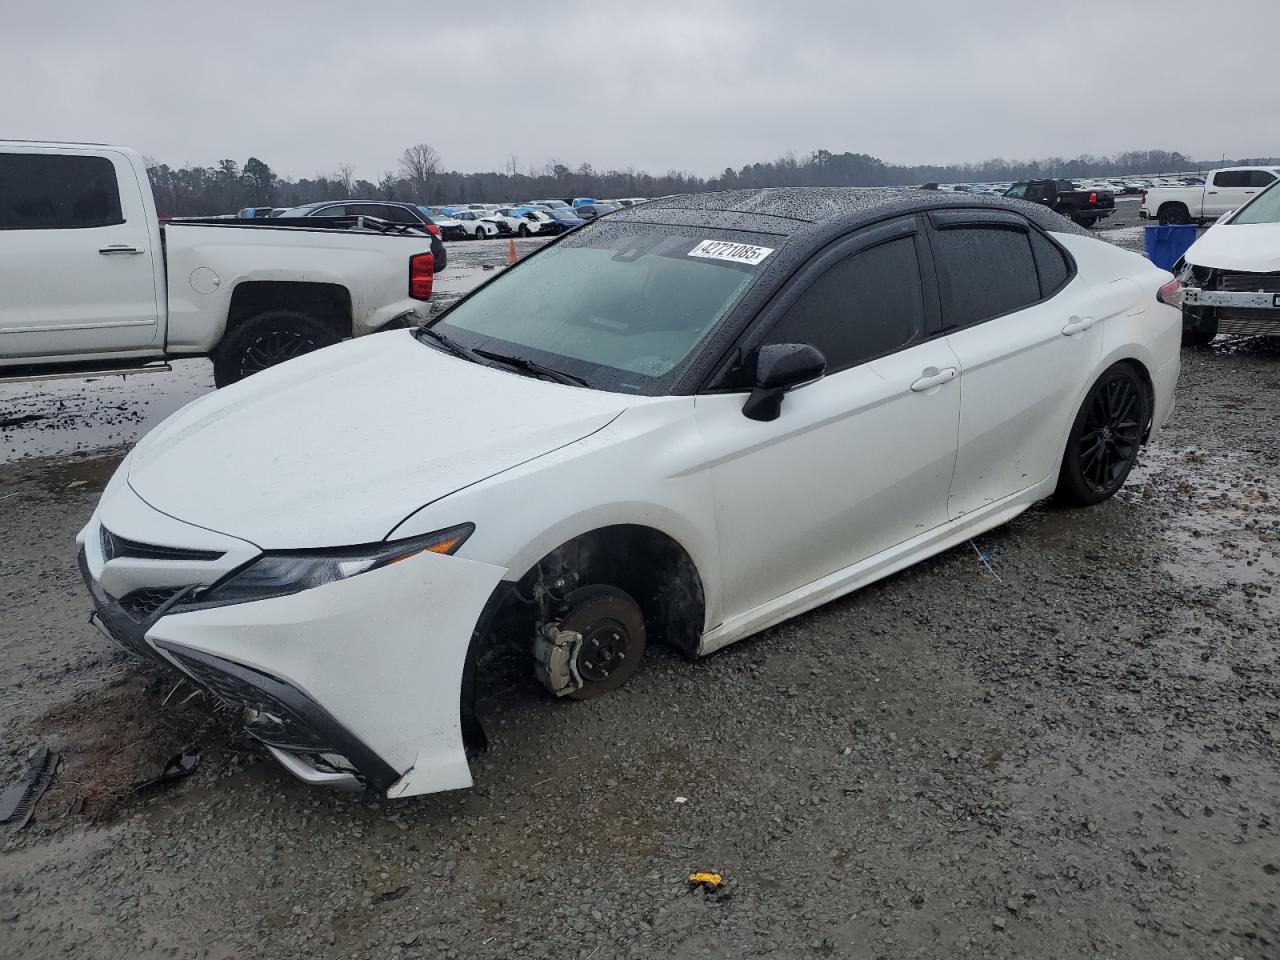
<point>90,279</point>
<point>1223,191</point>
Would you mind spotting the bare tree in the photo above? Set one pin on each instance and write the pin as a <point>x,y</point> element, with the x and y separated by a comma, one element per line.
<point>419,165</point>
<point>345,176</point>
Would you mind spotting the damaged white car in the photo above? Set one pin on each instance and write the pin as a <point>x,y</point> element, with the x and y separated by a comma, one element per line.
<point>684,423</point>
<point>1230,277</point>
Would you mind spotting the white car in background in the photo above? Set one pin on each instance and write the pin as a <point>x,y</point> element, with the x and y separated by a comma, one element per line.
<point>525,222</point>
<point>476,224</point>
<point>655,429</point>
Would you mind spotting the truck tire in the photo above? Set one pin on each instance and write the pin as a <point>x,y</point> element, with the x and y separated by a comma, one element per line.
<point>1172,214</point>
<point>1067,212</point>
<point>265,340</point>
<point>1087,222</point>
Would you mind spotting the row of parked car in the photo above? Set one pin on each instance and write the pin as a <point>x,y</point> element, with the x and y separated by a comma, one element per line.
<point>471,221</point>
<point>1118,186</point>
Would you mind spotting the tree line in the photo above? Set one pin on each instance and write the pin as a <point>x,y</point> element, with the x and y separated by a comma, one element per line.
<point>419,176</point>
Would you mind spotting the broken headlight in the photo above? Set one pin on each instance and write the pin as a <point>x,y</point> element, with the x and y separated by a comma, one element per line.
<point>280,573</point>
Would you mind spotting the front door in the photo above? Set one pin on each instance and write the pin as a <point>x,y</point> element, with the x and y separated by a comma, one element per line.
<point>856,462</point>
<point>77,262</point>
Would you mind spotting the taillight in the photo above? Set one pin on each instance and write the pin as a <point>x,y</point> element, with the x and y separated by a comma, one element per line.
<point>1144,196</point>
<point>433,229</point>
<point>422,273</point>
<point>1170,293</point>
<point>1093,199</point>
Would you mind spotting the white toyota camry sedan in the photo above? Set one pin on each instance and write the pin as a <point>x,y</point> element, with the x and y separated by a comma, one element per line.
<point>683,423</point>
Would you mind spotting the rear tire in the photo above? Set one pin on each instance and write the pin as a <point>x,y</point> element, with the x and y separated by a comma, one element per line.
<point>266,340</point>
<point>1105,437</point>
<point>1173,214</point>
<point>1067,212</point>
<point>524,231</point>
<point>1087,222</point>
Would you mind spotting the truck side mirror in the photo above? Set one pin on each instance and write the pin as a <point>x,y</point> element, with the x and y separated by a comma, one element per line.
<point>774,369</point>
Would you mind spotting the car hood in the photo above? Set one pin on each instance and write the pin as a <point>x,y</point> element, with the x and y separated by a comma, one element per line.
<point>337,447</point>
<point>1250,247</point>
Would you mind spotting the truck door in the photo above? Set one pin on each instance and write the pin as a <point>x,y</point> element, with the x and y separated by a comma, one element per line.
<point>1226,191</point>
<point>77,264</point>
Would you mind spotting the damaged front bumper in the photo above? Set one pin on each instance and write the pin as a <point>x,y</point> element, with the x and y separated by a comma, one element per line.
<point>356,682</point>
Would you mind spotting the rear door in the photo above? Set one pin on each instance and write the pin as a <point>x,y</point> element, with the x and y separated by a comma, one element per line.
<point>1259,180</point>
<point>77,265</point>
<point>1025,332</point>
<point>856,462</point>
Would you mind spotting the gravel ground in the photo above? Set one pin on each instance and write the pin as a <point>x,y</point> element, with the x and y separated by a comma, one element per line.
<point>1074,754</point>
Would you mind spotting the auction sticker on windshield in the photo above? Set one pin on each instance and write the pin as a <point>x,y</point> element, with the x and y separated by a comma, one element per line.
<point>733,252</point>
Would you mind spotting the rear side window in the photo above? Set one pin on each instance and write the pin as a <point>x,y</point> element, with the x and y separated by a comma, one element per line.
<point>983,272</point>
<point>1260,178</point>
<point>863,307</point>
<point>44,191</point>
<point>1051,264</point>
<point>1231,178</point>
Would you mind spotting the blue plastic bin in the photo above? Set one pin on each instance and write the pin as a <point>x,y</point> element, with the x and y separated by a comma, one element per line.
<point>1166,244</point>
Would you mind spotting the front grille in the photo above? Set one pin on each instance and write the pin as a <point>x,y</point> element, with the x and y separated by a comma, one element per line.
<point>1249,323</point>
<point>115,547</point>
<point>1251,282</point>
<point>142,605</point>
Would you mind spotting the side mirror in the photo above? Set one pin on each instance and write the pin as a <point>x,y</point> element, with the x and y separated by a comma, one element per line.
<point>773,370</point>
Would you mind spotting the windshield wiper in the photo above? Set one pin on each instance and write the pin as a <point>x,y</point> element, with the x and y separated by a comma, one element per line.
<point>450,346</point>
<point>531,366</point>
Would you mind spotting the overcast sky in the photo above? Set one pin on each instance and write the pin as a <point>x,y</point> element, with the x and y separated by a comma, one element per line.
<point>696,85</point>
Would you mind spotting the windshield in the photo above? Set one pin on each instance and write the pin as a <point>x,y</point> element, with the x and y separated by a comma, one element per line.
<point>620,306</point>
<point>1265,208</point>
<point>301,211</point>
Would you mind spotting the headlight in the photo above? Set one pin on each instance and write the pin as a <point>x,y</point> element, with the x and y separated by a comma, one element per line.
<point>281,573</point>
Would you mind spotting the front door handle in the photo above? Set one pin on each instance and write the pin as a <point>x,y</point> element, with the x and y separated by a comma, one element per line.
<point>118,248</point>
<point>933,377</point>
<point>1077,325</point>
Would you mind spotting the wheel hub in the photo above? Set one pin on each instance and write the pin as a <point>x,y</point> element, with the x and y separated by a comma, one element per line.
<point>603,650</point>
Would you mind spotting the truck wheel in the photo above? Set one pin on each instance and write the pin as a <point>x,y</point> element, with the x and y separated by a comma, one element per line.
<point>268,339</point>
<point>1173,214</point>
<point>1087,222</point>
<point>1104,440</point>
<point>1067,212</point>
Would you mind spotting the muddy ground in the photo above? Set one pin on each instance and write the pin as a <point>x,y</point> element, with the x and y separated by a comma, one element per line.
<point>1073,754</point>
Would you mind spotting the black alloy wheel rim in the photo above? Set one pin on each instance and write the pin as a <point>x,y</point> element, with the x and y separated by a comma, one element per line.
<point>272,348</point>
<point>1111,434</point>
<point>605,647</point>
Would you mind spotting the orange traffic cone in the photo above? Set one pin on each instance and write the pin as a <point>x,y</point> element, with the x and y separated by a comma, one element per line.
<point>512,257</point>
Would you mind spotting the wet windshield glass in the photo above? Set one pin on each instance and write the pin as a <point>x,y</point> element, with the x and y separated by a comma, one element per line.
<point>620,306</point>
<point>1265,209</point>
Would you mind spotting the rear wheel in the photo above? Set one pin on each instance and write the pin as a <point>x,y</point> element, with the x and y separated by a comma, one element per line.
<point>1068,213</point>
<point>266,340</point>
<point>1104,440</point>
<point>524,231</point>
<point>1087,221</point>
<point>1173,214</point>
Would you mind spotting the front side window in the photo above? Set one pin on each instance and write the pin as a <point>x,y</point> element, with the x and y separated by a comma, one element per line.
<point>47,191</point>
<point>983,272</point>
<point>867,305</point>
<point>1017,191</point>
<point>621,306</point>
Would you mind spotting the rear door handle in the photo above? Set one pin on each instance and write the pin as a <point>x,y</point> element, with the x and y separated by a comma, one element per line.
<point>118,248</point>
<point>933,377</point>
<point>1077,325</point>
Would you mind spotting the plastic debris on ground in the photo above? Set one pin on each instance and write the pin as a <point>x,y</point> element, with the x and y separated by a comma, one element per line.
<point>178,766</point>
<point>985,560</point>
<point>18,801</point>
